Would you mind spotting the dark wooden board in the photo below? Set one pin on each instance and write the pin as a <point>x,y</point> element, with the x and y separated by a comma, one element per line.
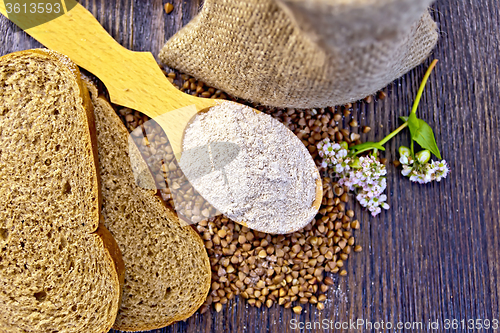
<point>435,255</point>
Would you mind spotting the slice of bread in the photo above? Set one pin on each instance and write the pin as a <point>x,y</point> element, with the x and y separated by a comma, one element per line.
<point>167,271</point>
<point>60,270</point>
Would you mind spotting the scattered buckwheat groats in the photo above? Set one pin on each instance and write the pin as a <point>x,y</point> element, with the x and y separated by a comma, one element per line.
<point>289,270</point>
<point>286,269</point>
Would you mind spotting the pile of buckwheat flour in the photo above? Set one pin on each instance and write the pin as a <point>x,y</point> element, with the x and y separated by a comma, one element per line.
<point>268,184</point>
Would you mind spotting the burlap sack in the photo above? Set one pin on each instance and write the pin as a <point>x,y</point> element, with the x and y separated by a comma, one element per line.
<point>303,53</point>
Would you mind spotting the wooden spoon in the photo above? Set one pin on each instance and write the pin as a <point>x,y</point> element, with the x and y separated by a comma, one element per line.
<point>133,79</point>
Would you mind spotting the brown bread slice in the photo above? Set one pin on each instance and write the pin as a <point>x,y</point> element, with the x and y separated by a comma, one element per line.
<point>167,271</point>
<point>60,270</point>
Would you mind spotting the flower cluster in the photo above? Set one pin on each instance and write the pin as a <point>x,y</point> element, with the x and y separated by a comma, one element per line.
<point>334,155</point>
<point>419,169</point>
<point>367,178</point>
<point>365,175</point>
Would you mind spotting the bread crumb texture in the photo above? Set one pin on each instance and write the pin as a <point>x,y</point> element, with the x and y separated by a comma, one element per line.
<point>52,274</point>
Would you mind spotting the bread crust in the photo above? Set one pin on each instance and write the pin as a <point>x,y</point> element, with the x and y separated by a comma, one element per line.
<point>110,246</point>
<point>114,256</point>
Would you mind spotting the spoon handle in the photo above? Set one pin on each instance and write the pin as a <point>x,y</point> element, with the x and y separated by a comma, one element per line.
<point>133,79</point>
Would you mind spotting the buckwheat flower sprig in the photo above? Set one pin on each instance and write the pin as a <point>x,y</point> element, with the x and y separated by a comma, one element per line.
<point>365,175</point>
<point>416,166</point>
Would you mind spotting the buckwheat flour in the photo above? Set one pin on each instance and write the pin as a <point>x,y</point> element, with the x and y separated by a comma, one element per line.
<point>262,176</point>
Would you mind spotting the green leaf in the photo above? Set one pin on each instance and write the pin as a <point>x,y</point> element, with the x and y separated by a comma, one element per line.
<point>422,133</point>
<point>404,119</point>
<point>368,146</point>
<point>413,123</point>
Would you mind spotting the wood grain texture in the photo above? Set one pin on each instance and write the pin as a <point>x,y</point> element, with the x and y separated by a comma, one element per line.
<point>435,254</point>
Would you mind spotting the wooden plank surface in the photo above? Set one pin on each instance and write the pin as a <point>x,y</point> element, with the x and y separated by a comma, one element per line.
<point>435,255</point>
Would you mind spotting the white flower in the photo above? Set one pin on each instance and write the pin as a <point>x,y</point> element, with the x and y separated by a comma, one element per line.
<point>404,151</point>
<point>423,156</point>
<point>428,177</point>
<point>376,189</point>
<point>432,168</point>
<point>403,159</point>
<point>375,211</point>
<point>369,182</point>
<point>373,202</point>
<point>414,178</point>
<point>441,170</point>
<point>342,152</point>
<point>438,178</point>
<point>406,170</point>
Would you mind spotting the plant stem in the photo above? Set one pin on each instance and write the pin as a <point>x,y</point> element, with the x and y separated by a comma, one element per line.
<point>393,133</point>
<point>362,151</point>
<point>415,105</point>
<point>422,85</point>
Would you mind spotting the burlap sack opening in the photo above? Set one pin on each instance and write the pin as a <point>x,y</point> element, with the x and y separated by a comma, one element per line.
<point>303,53</point>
